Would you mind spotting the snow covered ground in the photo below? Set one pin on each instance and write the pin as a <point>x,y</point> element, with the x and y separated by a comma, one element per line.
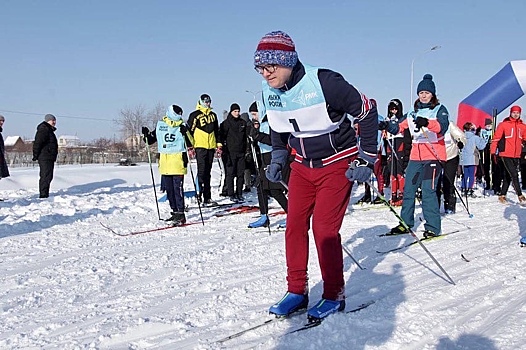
<point>69,283</point>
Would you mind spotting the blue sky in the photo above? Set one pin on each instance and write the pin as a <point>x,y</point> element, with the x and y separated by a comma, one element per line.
<point>84,61</point>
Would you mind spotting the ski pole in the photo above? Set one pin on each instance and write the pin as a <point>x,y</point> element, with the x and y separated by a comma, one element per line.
<point>220,174</point>
<point>343,247</point>
<point>193,179</point>
<point>263,197</point>
<point>353,259</point>
<point>464,182</point>
<point>442,165</point>
<point>402,222</point>
<point>153,180</point>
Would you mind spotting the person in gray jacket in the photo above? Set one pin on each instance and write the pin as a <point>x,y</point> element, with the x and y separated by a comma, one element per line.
<point>469,157</point>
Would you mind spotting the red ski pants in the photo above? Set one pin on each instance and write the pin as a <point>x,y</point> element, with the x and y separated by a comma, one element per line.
<point>323,194</point>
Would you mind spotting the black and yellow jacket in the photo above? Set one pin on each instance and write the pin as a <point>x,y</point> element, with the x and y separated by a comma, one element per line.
<point>204,127</point>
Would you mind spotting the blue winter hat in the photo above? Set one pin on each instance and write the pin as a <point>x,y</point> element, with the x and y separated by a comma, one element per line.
<point>276,48</point>
<point>426,84</point>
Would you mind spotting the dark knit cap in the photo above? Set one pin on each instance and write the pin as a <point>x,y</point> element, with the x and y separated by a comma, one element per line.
<point>205,98</point>
<point>234,106</point>
<point>177,109</point>
<point>488,122</point>
<point>276,48</point>
<point>49,117</point>
<point>426,84</point>
<point>253,107</point>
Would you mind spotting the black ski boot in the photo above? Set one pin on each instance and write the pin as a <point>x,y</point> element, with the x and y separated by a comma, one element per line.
<point>179,219</point>
<point>365,199</point>
<point>430,234</point>
<point>398,230</point>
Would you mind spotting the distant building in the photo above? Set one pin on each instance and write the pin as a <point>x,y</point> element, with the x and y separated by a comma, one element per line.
<point>14,143</point>
<point>68,141</point>
<point>133,142</point>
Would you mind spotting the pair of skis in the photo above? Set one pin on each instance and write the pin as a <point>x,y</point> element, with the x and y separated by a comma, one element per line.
<point>306,326</point>
<point>407,245</point>
<point>134,233</point>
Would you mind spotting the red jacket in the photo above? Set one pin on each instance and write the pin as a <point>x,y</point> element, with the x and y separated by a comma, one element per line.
<point>508,138</point>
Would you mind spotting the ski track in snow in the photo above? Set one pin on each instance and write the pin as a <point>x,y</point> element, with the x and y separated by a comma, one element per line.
<point>69,283</point>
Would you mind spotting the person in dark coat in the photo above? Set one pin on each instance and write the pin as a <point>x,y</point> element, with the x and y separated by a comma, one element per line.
<point>45,151</point>
<point>233,136</point>
<point>4,171</point>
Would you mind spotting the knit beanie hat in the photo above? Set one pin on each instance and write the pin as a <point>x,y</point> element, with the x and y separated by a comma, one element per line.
<point>488,122</point>
<point>426,84</point>
<point>276,48</point>
<point>515,109</point>
<point>174,112</point>
<point>253,107</point>
<point>205,98</point>
<point>49,117</point>
<point>234,106</point>
<point>177,109</point>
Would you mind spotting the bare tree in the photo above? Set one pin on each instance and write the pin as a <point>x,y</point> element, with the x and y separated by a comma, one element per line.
<point>155,114</point>
<point>102,143</point>
<point>130,123</point>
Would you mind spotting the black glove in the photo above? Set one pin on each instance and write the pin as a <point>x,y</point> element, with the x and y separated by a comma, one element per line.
<point>421,122</point>
<point>183,129</point>
<point>254,133</point>
<point>145,131</point>
<point>248,157</point>
<point>34,159</point>
<point>460,144</point>
<point>383,125</point>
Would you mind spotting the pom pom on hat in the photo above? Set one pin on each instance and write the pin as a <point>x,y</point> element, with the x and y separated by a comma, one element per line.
<point>515,109</point>
<point>276,48</point>
<point>426,84</point>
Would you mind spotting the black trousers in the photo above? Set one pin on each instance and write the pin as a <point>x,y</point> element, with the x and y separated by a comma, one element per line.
<point>46,176</point>
<point>446,184</point>
<point>205,160</point>
<point>497,174</point>
<point>235,169</point>
<point>511,175</point>
<point>268,189</point>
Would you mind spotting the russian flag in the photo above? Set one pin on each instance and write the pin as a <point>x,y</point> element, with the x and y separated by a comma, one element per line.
<point>499,92</point>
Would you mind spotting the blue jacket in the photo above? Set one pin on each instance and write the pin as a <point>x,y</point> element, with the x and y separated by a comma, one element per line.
<point>473,144</point>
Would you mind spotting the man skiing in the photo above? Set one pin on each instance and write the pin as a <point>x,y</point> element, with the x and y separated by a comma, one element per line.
<point>306,110</point>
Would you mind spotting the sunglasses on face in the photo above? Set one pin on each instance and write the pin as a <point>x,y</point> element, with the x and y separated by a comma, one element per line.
<point>271,68</point>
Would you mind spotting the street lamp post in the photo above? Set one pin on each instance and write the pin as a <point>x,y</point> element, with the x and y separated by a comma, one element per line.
<point>253,93</point>
<point>436,47</point>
